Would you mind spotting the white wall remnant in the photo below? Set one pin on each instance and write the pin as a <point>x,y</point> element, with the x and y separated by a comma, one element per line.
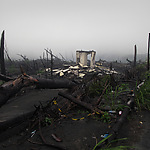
<point>92,64</point>
<point>81,58</point>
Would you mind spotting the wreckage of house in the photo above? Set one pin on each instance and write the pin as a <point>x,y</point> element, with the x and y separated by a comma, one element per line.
<point>81,58</point>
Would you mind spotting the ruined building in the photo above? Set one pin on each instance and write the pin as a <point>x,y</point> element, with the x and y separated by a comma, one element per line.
<point>81,58</point>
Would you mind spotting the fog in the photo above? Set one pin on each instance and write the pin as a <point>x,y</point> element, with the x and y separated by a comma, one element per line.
<point>110,27</point>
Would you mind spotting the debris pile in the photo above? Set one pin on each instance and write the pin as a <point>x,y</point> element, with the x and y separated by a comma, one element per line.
<point>78,71</point>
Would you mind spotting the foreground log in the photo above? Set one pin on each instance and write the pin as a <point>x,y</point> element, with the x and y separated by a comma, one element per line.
<point>54,83</point>
<point>12,87</point>
<point>83,104</point>
<point>117,126</point>
<point>115,129</point>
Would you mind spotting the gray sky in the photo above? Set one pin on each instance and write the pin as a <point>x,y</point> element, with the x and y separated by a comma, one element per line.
<point>107,26</point>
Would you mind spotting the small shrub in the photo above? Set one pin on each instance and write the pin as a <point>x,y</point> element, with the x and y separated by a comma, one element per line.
<point>47,121</point>
<point>97,87</point>
<point>112,95</point>
<point>105,117</point>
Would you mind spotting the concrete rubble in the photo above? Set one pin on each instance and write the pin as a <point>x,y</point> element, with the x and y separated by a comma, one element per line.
<point>80,71</point>
<point>83,67</point>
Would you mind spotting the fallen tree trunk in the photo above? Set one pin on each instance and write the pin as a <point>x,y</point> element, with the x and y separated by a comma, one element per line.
<point>122,119</point>
<point>83,104</point>
<point>12,87</point>
<point>115,129</point>
<point>54,83</point>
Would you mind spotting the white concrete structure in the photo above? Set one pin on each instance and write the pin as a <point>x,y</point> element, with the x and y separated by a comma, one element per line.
<point>81,58</point>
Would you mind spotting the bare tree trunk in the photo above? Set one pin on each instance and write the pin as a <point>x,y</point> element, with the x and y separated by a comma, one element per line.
<point>135,53</point>
<point>2,61</point>
<point>47,65</point>
<point>148,53</point>
<point>51,63</point>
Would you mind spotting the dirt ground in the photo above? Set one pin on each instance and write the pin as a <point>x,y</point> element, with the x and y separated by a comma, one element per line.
<point>80,135</point>
<point>77,129</point>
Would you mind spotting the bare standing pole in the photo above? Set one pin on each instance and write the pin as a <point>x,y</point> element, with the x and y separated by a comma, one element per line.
<point>51,62</point>
<point>135,53</point>
<point>148,53</point>
<point>47,60</point>
<point>2,61</point>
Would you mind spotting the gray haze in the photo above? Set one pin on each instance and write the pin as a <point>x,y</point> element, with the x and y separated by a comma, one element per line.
<point>111,27</point>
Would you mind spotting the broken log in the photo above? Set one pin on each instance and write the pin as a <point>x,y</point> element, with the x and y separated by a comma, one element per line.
<point>115,129</point>
<point>21,81</point>
<point>83,104</point>
<point>12,87</point>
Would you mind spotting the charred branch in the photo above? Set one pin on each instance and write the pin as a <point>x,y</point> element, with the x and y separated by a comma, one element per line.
<point>121,120</point>
<point>129,61</point>
<point>8,56</point>
<point>83,104</point>
<point>26,61</point>
<point>5,78</point>
<point>45,142</point>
